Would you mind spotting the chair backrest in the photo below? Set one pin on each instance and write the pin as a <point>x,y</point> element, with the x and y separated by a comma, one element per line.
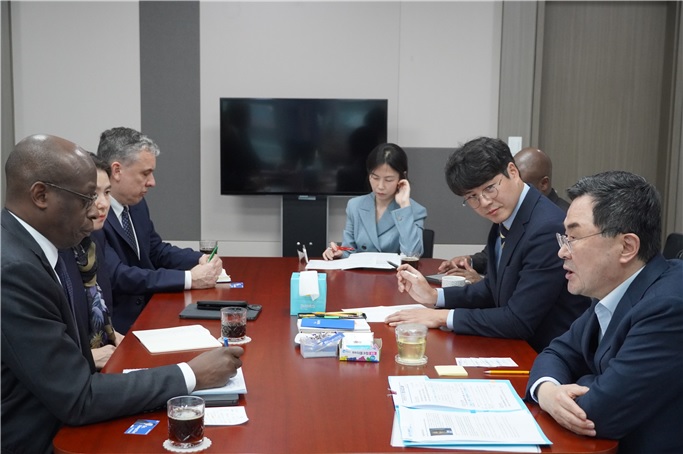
<point>428,243</point>
<point>673,248</point>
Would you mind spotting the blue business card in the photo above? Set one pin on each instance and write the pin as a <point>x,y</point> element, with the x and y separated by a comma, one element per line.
<point>142,427</point>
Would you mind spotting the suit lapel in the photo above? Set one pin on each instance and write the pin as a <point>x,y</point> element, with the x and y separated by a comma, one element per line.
<point>367,219</point>
<point>13,226</point>
<point>515,233</point>
<point>635,292</point>
<point>114,223</point>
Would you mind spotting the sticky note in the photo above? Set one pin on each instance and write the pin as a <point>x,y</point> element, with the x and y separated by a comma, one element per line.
<point>451,371</point>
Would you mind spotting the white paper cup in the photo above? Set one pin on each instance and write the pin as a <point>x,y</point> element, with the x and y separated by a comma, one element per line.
<point>453,281</point>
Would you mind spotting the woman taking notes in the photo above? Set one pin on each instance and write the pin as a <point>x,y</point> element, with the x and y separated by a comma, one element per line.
<point>387,219</point>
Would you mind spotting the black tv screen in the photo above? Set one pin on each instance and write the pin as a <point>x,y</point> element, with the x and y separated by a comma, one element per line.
<point>298,146</point>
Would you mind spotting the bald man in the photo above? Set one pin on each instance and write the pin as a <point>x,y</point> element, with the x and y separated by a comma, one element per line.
<point>535,169</point>
<point>48,374</point>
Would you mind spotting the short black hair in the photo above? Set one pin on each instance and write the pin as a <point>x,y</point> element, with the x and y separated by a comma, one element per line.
<point>100,163</point>
<point>390,154</point>
<point>475,163</point>
<point>624,203</point>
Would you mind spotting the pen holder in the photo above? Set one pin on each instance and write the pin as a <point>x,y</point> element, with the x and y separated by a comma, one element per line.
<point>304,303</point>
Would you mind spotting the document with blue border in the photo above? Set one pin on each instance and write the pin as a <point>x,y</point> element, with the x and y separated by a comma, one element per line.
<point>462,412</point>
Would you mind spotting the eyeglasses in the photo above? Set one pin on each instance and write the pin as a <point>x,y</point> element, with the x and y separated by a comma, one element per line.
<point>89,200</point>
<point>489,192</point>
<point>563,240</point>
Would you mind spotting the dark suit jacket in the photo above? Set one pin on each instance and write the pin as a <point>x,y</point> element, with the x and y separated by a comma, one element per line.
<point>103,279</point>
<point>480,259</point>
<point>47,380</point>
<point>160,268</point>
<point>526,297</point>
<point>399,229</point>
<point>634,374</point>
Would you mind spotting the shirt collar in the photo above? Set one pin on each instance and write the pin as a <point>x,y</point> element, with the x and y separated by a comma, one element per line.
<point>612,299</point>
<point>116,206</point>
<point>508,222</point>
<point>49,249</point>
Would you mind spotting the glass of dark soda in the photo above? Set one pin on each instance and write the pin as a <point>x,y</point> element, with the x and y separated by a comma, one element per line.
<point>185,421</point>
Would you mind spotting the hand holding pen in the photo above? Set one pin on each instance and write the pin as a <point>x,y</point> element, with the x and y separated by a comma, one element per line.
<point>335,251</point>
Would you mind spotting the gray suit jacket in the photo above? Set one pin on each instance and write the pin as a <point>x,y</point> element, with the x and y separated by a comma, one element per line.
<point>47,379</point>
<point>399,229</point>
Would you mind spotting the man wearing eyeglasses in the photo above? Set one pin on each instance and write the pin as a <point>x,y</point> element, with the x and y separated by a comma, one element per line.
<point>617,372</point>
<point>524,294</point>
<point>48,374</point>
<point>139,262</point>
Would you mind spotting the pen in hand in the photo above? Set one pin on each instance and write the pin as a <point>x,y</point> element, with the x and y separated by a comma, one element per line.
<point>396,267</point>
<point>225,342</point>
<point>215,248</point>
<point>345,248</point>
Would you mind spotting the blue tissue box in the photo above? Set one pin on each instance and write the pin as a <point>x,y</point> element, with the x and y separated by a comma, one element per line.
<point>302,304</point>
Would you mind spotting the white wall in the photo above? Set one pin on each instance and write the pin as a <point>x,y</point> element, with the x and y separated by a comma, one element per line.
<point>437,64</point>
<point>76,68</point>
<point>77,72</point>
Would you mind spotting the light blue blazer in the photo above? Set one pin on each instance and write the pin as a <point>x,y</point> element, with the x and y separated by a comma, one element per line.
<point>399,229</point>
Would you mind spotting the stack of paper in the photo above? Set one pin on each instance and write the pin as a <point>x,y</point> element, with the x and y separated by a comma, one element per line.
<point>192,337</point>
<point>485,414</point>
<point>236,385</point>
<point>375,260</point>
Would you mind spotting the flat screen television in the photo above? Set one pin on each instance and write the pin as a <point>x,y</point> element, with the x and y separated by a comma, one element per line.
<point>298,146</point>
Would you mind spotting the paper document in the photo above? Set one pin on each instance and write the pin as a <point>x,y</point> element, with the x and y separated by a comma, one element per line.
<point>225,416</point>
<point>378,314</point>
<point>397,442</point>
<point>236,385</point>
<point>468,412</point>
<point>485,362</point>
<point>192,337</point>
<point>376,260</point>
<point>223,278</point>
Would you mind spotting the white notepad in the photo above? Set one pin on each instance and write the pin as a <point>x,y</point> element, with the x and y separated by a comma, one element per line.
<point>192,337</point>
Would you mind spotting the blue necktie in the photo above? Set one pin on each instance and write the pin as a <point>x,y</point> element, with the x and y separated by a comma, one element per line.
<point>128,227</point>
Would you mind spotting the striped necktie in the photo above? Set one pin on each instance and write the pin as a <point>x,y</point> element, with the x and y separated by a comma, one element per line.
<point>503,232</point>
<point>128,227</point>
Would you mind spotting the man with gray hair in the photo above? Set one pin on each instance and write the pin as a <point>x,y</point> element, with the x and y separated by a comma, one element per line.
<point>48,374</point>
<point>139,262</point>
<point>617,372</point>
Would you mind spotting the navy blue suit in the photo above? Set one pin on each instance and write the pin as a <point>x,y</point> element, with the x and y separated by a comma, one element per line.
<point>525,297</point>
<point>47,378</point>
<point>160,268</point>
<point>634,373</point>
<point>398,230</point>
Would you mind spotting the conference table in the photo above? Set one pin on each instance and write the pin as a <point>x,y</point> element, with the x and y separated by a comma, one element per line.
<point>305,405</point>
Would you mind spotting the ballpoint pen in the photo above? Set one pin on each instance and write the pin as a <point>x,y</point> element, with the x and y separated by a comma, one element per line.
<point>225,342</point>
<point>396,266</point>
<point>345,248</point>
<point>506,372</point>
<point>215,248</point>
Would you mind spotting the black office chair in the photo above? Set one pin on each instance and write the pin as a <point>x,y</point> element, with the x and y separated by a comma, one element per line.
<point>428,243</point>
<point>673,248</point>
